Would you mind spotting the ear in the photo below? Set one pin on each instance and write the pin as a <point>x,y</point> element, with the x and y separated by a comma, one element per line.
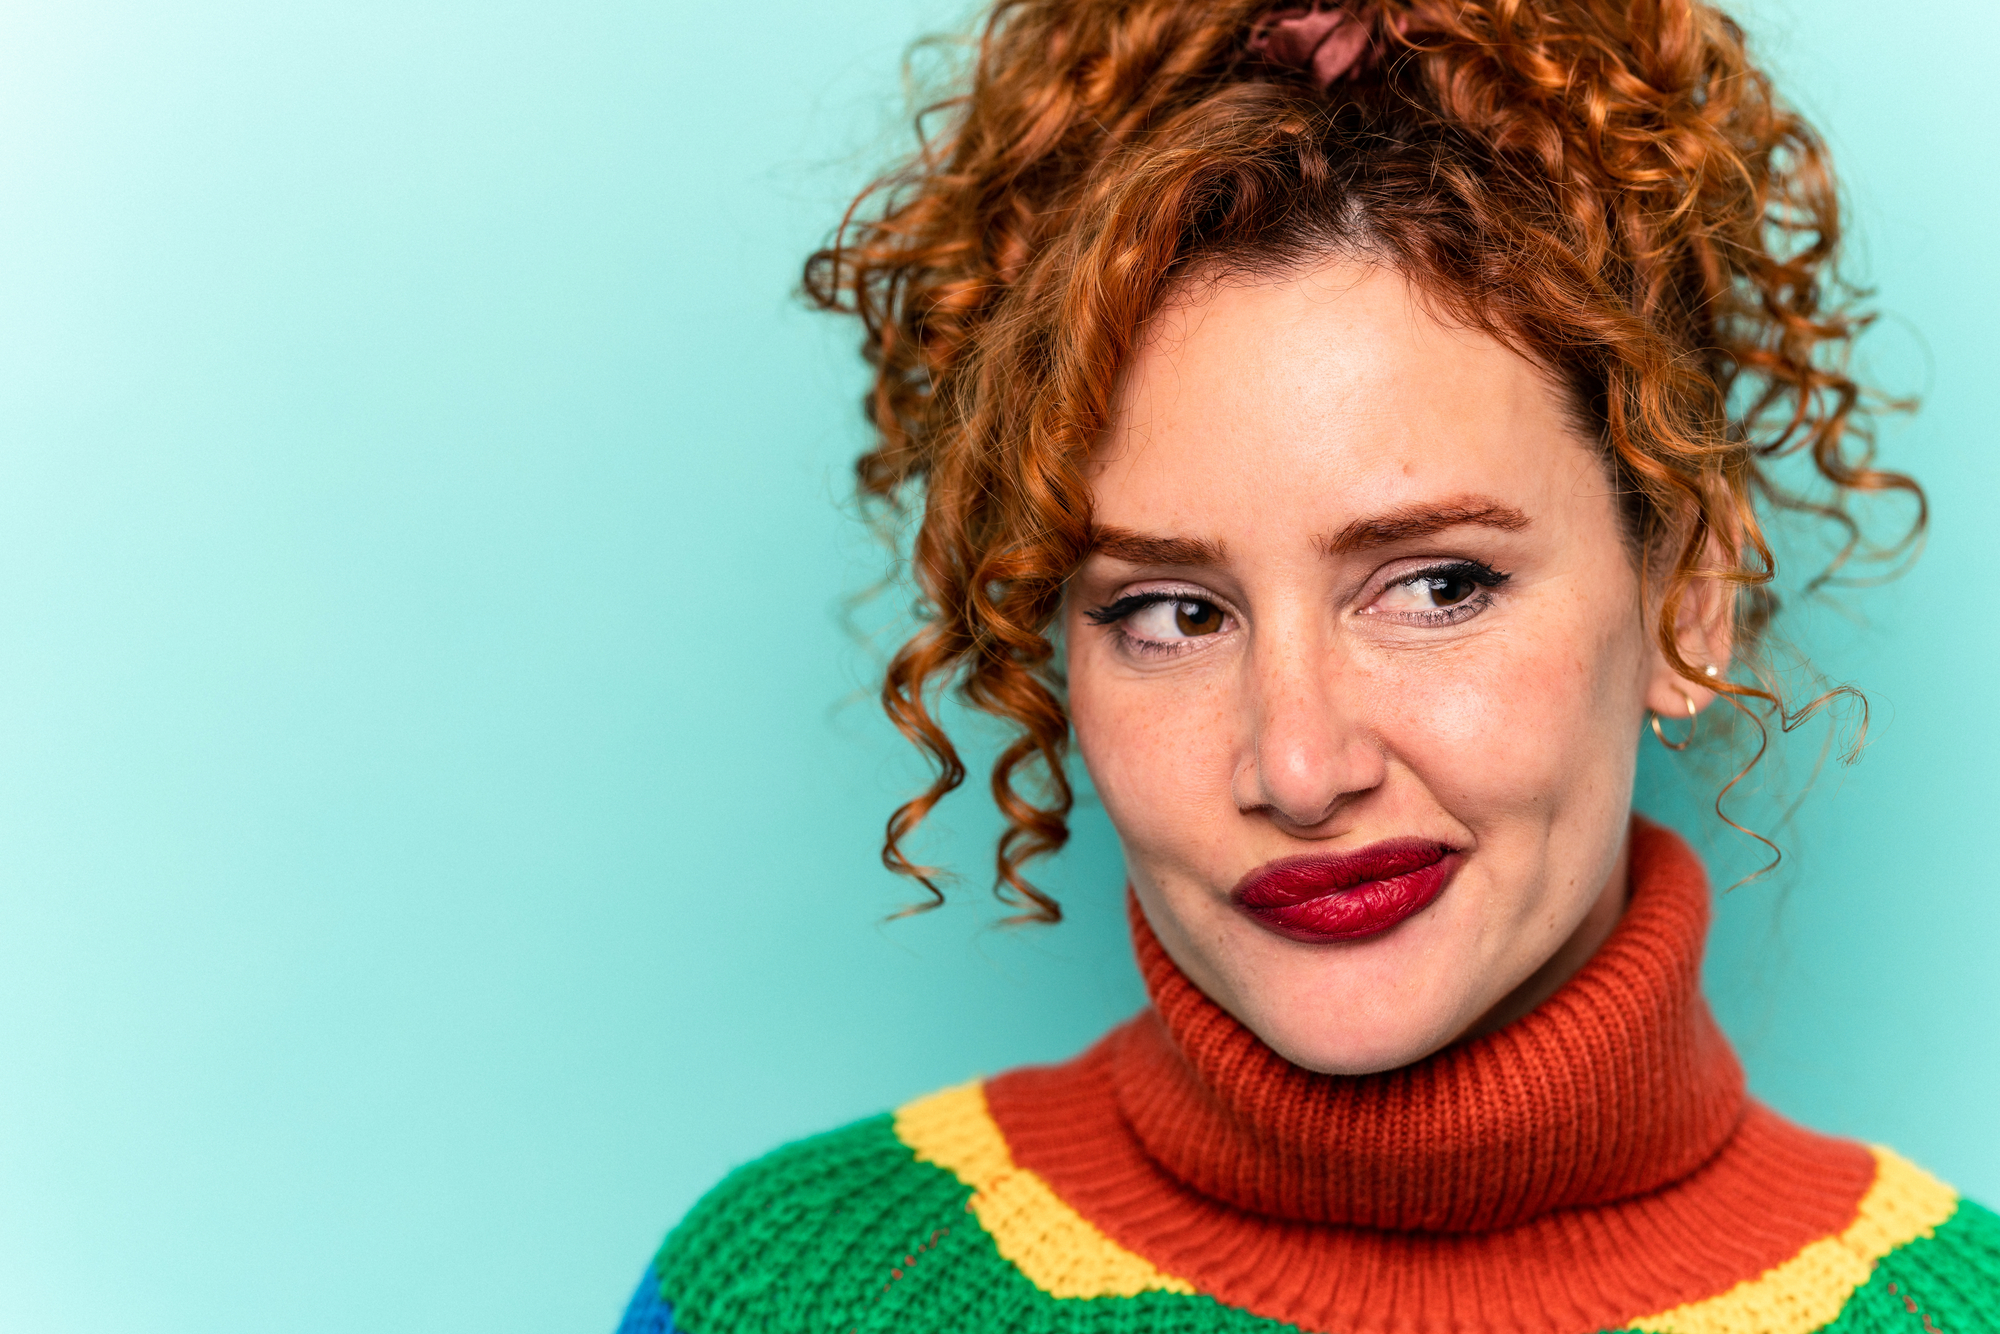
<point>1705,631</point>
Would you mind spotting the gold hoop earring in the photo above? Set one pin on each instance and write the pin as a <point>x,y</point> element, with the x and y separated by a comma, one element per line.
<point>1685,741</point>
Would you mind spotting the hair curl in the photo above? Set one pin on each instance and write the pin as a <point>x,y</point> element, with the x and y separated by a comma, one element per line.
<point>1609,186</point>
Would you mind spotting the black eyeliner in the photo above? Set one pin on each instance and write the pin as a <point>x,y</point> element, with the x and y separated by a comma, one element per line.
<point>1483,575</point>
<point>1112,612</point>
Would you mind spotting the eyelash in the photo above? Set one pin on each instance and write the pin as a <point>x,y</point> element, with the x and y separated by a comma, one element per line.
<point>1484,577</point>
<point>1111,614</point>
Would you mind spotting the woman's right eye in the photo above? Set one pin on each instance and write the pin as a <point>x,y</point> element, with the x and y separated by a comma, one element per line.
<point>1175,620</point>
<point>1155,621</point>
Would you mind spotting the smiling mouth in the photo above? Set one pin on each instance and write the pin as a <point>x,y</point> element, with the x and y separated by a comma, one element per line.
<point>1349,896</point>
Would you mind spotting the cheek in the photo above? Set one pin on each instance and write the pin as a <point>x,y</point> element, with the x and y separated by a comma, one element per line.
<point>1157,751</point>
<point>1518,720</point>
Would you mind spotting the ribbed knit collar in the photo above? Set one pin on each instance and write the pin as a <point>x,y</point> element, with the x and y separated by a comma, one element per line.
<point>1615,1086</point>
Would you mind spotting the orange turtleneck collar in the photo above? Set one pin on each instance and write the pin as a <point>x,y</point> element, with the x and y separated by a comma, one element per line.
<point>1608,1129</point>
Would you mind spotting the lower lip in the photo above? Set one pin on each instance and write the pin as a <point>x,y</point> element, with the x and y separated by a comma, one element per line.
<point>1353,912</point>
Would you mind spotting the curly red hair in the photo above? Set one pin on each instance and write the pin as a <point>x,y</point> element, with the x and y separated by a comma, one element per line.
<point>1609,186</point>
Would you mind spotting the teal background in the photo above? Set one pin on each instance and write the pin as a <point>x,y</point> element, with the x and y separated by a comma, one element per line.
<point>437,798</point>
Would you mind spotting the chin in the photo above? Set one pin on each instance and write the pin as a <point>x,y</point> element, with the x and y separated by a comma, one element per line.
<point>1348,1020</point>
<point>1365,1051</point>
<point>1358,1008</point>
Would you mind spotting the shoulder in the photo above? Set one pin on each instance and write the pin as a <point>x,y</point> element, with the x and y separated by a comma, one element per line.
<point>1912,1257</point>
<point>1944,1277</point>
<point>806,1230</point>
<point>874,1229</point>
<point>819,1234</point>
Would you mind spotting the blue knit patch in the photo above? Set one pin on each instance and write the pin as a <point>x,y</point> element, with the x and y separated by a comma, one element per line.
<point>649,1312</point>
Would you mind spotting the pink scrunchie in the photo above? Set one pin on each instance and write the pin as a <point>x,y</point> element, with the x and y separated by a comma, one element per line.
<point>1329,43</point>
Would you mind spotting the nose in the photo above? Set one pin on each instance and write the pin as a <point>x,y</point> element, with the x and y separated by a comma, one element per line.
<point>1307,751</point>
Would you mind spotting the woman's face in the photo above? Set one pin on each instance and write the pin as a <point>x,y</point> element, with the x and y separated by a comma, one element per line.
<point>1358,665</point>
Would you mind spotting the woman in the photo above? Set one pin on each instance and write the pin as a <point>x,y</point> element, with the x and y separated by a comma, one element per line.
<point>1351,422</point>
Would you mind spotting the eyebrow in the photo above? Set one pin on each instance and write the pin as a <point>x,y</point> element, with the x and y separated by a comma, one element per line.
<point>1413,521</point>
<point>1139,549</point>
<point>1397,525</point>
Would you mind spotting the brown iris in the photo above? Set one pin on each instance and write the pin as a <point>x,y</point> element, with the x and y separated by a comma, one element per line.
<point>1447,589</point>
<point>1197,618</point>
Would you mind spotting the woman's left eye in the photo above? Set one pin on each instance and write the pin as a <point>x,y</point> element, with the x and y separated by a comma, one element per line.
<point>1441,596</point>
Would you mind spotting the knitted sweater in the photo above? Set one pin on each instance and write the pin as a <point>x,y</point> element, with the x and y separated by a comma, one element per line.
<point>1596,1165</point>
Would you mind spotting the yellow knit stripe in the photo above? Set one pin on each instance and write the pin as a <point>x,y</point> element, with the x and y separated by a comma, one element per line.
<point>1808,1290</point>
<point>1056,1248</point>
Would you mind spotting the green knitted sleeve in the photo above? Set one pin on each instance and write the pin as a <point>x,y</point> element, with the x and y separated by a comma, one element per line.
<point>847,1233</point>
<point>797,1240</point>
<point>1945,1283</point>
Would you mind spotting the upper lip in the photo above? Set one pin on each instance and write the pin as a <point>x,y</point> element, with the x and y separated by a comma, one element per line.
<point>1290,880</point>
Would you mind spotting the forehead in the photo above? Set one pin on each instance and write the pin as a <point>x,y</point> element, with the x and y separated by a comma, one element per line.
<point>1326,395</point>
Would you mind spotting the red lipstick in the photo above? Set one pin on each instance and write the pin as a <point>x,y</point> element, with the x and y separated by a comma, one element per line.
<point>1347,897</point>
